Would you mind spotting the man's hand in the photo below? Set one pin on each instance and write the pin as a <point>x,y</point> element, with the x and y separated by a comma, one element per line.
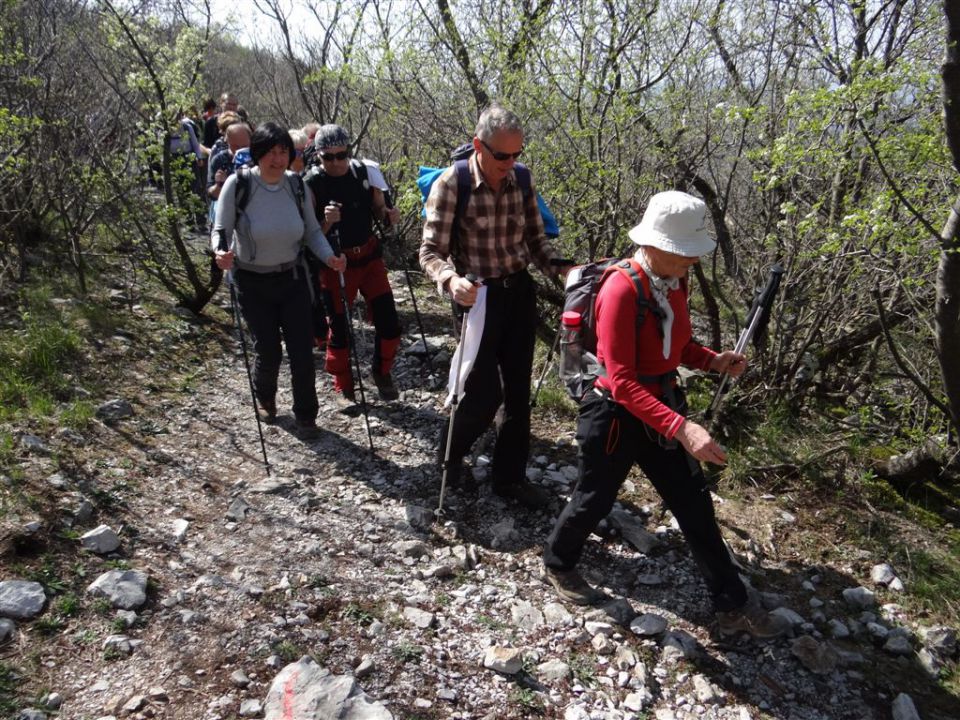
<point>331,213</point>
<point>462,291</point>
<point>224,259</point>
<point>392,216</point>
<point>697,441</point>
<point>729,362</point>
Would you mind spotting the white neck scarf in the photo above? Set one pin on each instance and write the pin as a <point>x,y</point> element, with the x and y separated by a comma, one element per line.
<point>659,288</point>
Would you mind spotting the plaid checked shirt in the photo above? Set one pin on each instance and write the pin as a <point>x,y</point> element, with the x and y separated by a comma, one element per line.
<point>498,235</point>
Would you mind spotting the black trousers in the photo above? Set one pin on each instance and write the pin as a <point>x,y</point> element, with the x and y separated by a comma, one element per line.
<point>611,440</point>
<point>501,374</point>
<point>276,306</point>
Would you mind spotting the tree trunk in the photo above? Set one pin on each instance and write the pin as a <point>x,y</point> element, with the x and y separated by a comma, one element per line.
<point>947,312</point>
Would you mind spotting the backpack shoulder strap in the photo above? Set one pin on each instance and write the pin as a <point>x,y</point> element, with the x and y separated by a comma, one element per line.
<point>524,179</point>
<point>644,304</point>
<point>464,186</point>
<point>242,189</point>
<point>299,193</point>
<point>314,179</point>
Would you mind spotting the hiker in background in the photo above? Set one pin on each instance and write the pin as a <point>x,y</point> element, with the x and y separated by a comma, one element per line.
<point>499,233</point>
<point>299,138</point>
<point>209,109</point>
<point>635,414</point>
<point>310,151</point>
<point>276,222</point>
<point>349,196</point>
<point>211,131</point>
<point>237,136</point>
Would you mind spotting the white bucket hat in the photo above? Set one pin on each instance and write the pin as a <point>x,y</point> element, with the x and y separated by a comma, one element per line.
<point>675,222</point>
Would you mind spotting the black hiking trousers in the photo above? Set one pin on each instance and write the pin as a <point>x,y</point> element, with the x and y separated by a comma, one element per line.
<point>611,440</point>
<point>500,374</point>
<point>276,306</point>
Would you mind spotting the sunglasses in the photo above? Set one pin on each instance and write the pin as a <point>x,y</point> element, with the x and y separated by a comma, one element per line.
<point>501,156</point>
<point>343,155</point>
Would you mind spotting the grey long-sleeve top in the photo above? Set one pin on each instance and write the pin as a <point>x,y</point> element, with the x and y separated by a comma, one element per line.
<point>269,231</point>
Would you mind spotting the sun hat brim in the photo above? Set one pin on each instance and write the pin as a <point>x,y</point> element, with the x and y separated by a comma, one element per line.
<point>696,246</point>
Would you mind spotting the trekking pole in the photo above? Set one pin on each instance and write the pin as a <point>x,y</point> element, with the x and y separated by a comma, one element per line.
<point>388,200</point>
<point>235,305</point>
<point>546,366</point>
<point>455,400</point>
<point>757,320</point>
<point>354,351</point>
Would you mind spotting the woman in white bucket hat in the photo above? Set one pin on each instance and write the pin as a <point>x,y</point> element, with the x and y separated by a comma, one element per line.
<point>636,413</point>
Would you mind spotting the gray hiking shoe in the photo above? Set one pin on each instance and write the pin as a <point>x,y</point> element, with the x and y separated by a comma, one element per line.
<point>571,586</point>
<point>753,620</point>
<point>267,411</point>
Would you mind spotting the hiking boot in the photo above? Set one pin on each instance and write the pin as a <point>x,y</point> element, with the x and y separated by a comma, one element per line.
<point>385,386</point>
<point>306,429</point>
<point>267,411</point>
<point>524,492</point>
<point>343,384</point>
<point>571,586</point>
<point>753,620</point>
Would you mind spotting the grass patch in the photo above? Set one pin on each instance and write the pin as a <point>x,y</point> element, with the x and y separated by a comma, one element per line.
<point>35,359</point>
<point>287,651</point>
<point>407,652</point>
<point>527,699</point>
<point>68,605</point>
<point>77,415</point>
<point>9,680</point>
<point>490,623</point>
<point>48,626</point>
<point>584,669</point>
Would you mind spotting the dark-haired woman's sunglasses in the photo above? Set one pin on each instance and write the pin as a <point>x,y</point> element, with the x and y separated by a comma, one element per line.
<point>342,155</point>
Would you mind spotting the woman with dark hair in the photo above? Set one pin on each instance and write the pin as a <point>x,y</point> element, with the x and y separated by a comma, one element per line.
<point>259,233</point>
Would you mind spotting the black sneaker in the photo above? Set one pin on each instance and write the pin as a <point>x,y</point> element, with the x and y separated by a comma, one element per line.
<point>267,411</point>
<point>524,492</point>
<point>571,586</point>
<point>386,388</point>
<point>306,429</point>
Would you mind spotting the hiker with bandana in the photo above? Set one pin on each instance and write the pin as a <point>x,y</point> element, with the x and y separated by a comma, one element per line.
<point>636,413</point>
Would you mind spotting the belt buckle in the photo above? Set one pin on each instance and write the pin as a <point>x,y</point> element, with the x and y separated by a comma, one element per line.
<point>354,250</point>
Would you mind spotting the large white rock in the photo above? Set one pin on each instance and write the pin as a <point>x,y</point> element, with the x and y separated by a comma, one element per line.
<point>306,691</point>
<point>101,540</point>
<point>125,589</point>
<point>21,599</point>
<point>502,659</point>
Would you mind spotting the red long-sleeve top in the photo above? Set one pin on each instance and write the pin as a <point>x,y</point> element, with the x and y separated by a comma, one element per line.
<point>627,354</point>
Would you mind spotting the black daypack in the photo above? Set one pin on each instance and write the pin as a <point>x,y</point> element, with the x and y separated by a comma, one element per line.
<point>580,296</point>
<point>242,190</point>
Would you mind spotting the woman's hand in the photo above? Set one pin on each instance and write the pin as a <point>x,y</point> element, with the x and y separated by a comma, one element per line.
<point>337,262</point>
<point>730,362</point>
<point>224,259</point>
<point>697,441</point>
<point>392,216</point>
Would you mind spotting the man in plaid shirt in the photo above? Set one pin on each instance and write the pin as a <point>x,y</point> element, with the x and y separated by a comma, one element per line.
<point>500,232</point>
